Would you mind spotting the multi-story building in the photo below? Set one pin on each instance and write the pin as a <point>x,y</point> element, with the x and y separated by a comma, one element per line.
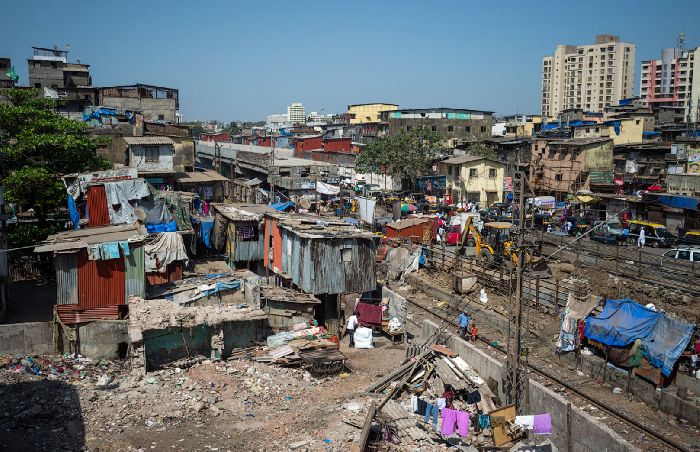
<point>450,123</point>
<point>564,166</point>
<point>669,82</point>
<point>155,103</point>
<point>470,178</point>
<point>276,122</point>
<point>296,113</point>
<point>368,113</point>
<point>5,67</point>
<point>590,77</point>
<point>71,82</point>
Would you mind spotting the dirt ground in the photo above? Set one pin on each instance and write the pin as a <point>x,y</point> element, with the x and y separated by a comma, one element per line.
<point>233,405</point>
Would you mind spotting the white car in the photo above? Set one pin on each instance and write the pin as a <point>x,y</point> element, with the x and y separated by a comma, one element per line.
<point>686,254</point>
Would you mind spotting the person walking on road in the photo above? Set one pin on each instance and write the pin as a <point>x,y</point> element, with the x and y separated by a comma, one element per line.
<point>640,240</point>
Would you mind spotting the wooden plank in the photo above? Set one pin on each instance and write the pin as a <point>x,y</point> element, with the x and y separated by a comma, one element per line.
<point>500,434</point>
<point>362,444</point>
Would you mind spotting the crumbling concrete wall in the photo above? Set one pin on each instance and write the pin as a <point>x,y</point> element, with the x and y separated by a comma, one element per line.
<point>32,338</point>
<point>103,339</point>
<point>587,433</point>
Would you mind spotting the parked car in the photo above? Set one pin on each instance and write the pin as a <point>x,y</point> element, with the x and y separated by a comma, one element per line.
<point>685,254</point>
<point>655,234</point>
<point>690,238</point>
<point>604,236</point>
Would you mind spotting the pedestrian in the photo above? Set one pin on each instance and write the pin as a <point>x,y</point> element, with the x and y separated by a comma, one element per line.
<point>463,320</point>
<point>625,235</point>
<point>475,330</point>
<point>641,239</point>
<point>351,326</point>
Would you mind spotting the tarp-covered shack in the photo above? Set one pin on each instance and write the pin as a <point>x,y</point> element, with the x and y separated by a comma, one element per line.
<point>320,257</point>
<point>238,231</point>
<point>97,270</point>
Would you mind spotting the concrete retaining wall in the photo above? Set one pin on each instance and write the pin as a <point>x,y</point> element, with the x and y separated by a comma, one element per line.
<point>587,434</point>
<point>104,339</point>
<point>33,338</point>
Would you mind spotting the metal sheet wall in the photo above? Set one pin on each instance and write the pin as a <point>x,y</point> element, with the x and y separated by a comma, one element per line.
<point>66,278</point>
<point>100,283</point>
<point>135,283</point>
<point>97,206</point>
<point>246,250</point>
<point>173,272</point>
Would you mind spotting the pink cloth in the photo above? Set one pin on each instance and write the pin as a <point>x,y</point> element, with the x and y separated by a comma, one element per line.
<point>463,423</point>
<point>543,424</point>
<point>451,417</point>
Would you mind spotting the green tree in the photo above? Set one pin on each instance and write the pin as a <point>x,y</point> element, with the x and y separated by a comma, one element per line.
<point>233,128</point>
<point>405,155</point>
<point>195,128</point>
<point>37,146</point>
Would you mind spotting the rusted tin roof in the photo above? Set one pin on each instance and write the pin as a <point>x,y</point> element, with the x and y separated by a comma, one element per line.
<point>77,239</point>
<point>101,283</point>
<point>149,140</point>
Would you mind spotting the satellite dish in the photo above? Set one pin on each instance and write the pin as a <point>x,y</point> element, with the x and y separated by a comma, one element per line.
<point>305,203</point>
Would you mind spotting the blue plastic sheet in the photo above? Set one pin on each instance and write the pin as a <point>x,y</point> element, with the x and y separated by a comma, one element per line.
<point>666,343</point>
<point>282,206</point>
<point>73,212</point>
<point>171,226</point>
<point>621,323</point>
<point>205,228</point>
<point>223,285</point>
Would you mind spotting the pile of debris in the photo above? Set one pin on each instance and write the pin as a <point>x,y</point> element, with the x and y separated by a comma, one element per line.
<point>435,399</point>
<point>74,369</point>
<point>312,348</point>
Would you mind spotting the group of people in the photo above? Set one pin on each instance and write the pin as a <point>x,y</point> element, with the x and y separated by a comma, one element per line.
<point>467,328</point>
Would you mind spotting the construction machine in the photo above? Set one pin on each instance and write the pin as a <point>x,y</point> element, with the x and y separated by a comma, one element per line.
<point>494,245</point>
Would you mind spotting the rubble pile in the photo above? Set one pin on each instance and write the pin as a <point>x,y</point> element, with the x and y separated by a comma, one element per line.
<point>425,392</point>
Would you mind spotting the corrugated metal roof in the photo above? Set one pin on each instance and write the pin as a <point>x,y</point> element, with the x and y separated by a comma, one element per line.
<point>100,283</point>
<point>243,212</point>
<point>407,223</point>
<point>199,177</point>
<point>459,160</point>
<point>66,279</point>
<point>81,238</point>
<point>149,140</point>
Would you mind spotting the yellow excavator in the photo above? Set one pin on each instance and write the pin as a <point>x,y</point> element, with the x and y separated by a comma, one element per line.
<point>494,245</point>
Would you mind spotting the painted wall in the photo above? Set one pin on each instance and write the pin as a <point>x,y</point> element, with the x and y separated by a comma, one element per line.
<point>461,182</point>
<point>137,158</point>
<point>368,112</point>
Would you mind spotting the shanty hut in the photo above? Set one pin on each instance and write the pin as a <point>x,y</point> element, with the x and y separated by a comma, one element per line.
<point>98,269</point>
<point>287,307</point>
<point>320,257</point>
<point>210,185</point>
<point>413,228</point>
<point>238,231</point>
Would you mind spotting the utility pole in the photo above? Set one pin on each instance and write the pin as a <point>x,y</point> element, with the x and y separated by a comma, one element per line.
<point>516,365</point>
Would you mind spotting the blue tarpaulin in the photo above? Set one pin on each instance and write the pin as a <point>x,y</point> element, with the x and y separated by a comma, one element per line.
<point>616,124</point>
<point>550,126</point>
<point>73,212</point>
<point>680,202</point>
<point>205,228</point>
<point>624,321</point>
<point>651,133</point>
<point>621,323</point>
<point>666,343</point>
<point>282,205</point>
<point>163,227</point>
<point>222,285</point>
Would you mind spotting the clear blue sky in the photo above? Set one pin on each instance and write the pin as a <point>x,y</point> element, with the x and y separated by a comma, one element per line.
<point>243,60</point>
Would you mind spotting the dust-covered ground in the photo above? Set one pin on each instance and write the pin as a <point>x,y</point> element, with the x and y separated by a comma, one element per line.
<point>227,405</point>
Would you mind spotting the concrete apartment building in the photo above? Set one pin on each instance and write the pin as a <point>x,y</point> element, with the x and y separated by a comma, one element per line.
<point>590,77</point>
<point>155,103</point>
<point>368,113</point>
<point>669,82</point>
<point>469,178</point>
<point>5,81</point>
<point>296,113</point>
<point>450,123</point>
<point>560,167</point>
